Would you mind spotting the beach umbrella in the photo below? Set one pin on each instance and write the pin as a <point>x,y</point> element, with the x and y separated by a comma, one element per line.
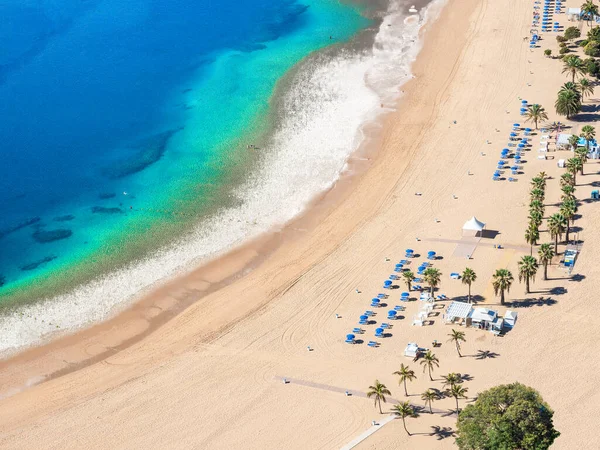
<point>518,157</point>
<point>521,145</point>
<point>364,317</point>
<point>501,163</point>
<point>375,300</point>
<point>514,168</point>
<point>392,313</point>
<point>378,330</point>
<point>350,337</point>
<point>516,124</point>
<point>405,294</point>
<point>409,250</point>
<point>513,134</point>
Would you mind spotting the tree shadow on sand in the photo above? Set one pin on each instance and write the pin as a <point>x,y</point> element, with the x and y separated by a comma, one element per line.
<point>528,303</point>
<point>486,354</point>
<point>442,432</point>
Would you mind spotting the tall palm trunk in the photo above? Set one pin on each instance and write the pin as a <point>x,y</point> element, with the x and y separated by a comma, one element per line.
<point>456,398</point>
<point>405,391</point>
<point>546,271</point>
<point>379,402</point>
<point>469,292</point>
<point>404,423</point>
<point>430,409</point>
<point>458,349</point>
<point>527,285</point>
<point>430,377</point>
<point>567,234</point>
<point>502,296</point>
<point>556,244</point>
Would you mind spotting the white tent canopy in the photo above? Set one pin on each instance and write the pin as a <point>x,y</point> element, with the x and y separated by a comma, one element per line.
<point>473,225</point>
<point>458,310</point>
<point>483,315</point>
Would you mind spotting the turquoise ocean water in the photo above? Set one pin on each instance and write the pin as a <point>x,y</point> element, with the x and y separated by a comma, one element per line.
<point>123,123</point>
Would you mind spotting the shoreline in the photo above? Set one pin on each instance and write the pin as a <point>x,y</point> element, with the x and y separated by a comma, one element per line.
<point>147,307</point>
<point>215,369</point>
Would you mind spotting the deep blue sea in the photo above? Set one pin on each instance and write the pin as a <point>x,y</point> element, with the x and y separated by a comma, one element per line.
<point>113,114</point>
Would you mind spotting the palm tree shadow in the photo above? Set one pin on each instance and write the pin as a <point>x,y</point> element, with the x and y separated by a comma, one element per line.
<point>450,412</point>
<point>486,354</point>
<point>528,303</point>
<point>442,432</point>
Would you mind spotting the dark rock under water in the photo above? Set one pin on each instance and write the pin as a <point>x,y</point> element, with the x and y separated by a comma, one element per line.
<point>144,154</point>
<point>103,210</point>
<point>65,218</point>
<point>36,264</point>
<point>17,227</point>
<point>107,195</point>
<point>44,237</point>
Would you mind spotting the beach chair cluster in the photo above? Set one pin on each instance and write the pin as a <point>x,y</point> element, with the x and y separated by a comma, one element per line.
<point>514,150</point>
<point>366,318</point>
<point>550,7</point>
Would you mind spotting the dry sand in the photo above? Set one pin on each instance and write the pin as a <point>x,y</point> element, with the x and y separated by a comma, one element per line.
<point>208,377</point>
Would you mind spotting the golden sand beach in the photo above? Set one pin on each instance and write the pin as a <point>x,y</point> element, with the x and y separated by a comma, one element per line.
<point>211,376</point>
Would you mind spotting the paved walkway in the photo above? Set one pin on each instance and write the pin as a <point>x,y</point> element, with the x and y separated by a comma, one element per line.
<point>521,248</point>
<point>357,440</point>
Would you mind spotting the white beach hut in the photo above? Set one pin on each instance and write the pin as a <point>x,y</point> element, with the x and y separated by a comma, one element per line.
<point>411,349</point>
<point>473,225</point>
<point>574,14</point>
<point>483,317</point>
<point>510,318</point>
<point>563,140</point>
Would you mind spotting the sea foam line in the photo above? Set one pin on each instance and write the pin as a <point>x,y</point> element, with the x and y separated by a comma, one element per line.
<point>324,112</point>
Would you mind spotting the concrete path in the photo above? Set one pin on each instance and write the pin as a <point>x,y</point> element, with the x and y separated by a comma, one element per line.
<point>357,440</point>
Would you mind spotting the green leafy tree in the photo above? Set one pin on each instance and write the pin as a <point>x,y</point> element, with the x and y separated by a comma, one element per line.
<point>429,361</point>
<point>574,165</point>
<point>594,34</point>
<point>429,397</point>
<point>592,48</point>
<point>588,133</point>
<point>528,267</point>
<point>582,154</point>
<point>432,277</point>
<point>457,337</point>
<point>378,392</point>
<point>535,219</point>
<point>535,114</point>
<point>537,205</point>
<point>408,278</point>
<point>510,416</point>
<point>404,410</point>
<point>557,225</point>
<point>548,52</point>
<point>537,194</point>
<point>545,254</point>
<point>566,179</point>
<point>591,67</point>
<point>458,391</point>
<point>405,374</point>
<point>501,282</point>
<point>572,33</point>
<point>586,88</point>
<point>468,277</point>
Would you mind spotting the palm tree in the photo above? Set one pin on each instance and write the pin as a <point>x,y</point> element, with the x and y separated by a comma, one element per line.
<point>545,253</point>
<point>567,179</point>
<point>537,205</point>
<point>432,277</point>
<point>532,234</point>
<point>589,10</point>
<point>574,165</point>
<point>536,113</point>
<point>573,140</point>
<point>429,396</point>
<point>404,410</point>
<point>429,361</point>
<point>528,267</point>
<point>568,210</point>
<point>573,66</point>
<point>588,133</point>
<point>457,337</point>
<point>502,281</point>
<point>468,277</point>
<point>405,374</point>
<point>451,379</point>
<point>585,87</point>
<point>535,217</point>
<point>582,154</point>
<point>568,103</point>
<point>408,278</point>
<point>537,194</point>
<point>378,391</point>
<point>556,227</point>
<point>568,192</point>
<point>458,391</point>
<point>538,183</point>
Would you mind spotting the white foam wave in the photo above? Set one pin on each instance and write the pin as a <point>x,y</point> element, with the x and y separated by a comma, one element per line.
<point>324,112</point>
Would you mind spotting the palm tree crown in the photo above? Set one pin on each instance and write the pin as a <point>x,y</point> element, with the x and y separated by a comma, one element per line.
<point>585,87</point>
<point>457,337</point>
<point>451,379</point>
<point>429,361</point>
<point>378,391</point>
<point>458,391</point>
<point>545,253</point>
<point>468,277</point>
<point>502,281</point>
<point>404,410</point>
<point>573,66</point>
<point>535,114</point>
<point>528,267</point>
<point>405,374</point>
<point>408,278</point>
<point>432,277</point>
<point>429,396</point>
<point>557,226</point>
